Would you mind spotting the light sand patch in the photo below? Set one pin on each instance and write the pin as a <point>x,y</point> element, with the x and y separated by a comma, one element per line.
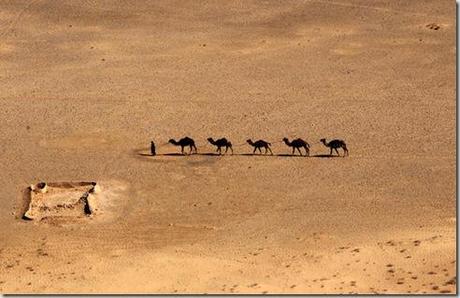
<point>317,32</point>
<point>195,227</point>
<point>176,176</point>
<point>352,48</point>
<point>77,141</point>
<point>6,48</point>
<point>407,41</point>
<point>369,7</point>
<point>303,36</point>
<point>111,200</point>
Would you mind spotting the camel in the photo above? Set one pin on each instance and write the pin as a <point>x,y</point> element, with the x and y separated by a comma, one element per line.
<point>259,144</point>
<point>297,144</point>
<point>183,143</point>
<point>223,142</point>
<point>334,144</point>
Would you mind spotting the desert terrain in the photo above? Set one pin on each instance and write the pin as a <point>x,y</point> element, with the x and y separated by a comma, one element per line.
<point>86,85</point>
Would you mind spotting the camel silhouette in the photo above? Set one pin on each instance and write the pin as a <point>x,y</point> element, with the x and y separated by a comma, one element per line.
<point>297,144</point>
<point>186,141</point>
<point>259,144</point>
<point>334,144</point>
<point>223,142</point>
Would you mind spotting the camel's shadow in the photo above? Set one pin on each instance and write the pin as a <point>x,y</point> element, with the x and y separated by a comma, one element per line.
<point>187,154</point>
<point>270,155</point>
<point>289,155</point>
<point>178,154</point>
<point>325,156</point>
<point>239,154</point>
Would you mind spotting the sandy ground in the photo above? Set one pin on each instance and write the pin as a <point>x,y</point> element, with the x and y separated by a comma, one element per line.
<point>85,85</point>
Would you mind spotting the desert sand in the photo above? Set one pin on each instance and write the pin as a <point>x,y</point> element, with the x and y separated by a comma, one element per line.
<point>86,85</point>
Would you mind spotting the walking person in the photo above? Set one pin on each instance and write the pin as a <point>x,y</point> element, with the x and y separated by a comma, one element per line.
<point>152,148</point>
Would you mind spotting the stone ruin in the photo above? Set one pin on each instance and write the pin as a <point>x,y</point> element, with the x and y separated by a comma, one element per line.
<point>64,200</point>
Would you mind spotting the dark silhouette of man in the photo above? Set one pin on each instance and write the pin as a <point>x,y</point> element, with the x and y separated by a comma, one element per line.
<point>152,148</point>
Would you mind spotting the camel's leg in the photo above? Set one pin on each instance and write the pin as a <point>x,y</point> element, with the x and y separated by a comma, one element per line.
<point>307,151</point>
<point>300,152</point>
<point>254,152</point>
<point>293,151</point>
<point>231,148</point>
<point>219,150</point>
<point>270,150</point>
<point>194,147</point>
<point>331,152</point>
<point>182,149</point>
<point>345,150</point>
<point>260,150</point>
<point>338,154</point>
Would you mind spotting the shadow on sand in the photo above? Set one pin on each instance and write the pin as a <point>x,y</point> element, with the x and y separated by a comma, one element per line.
<point>240,154</point>
<point>325,156</point>
<point>180,154</point>
<point>186,154</point>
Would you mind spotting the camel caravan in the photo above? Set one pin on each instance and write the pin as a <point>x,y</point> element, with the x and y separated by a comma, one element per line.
<point>295,144</point>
